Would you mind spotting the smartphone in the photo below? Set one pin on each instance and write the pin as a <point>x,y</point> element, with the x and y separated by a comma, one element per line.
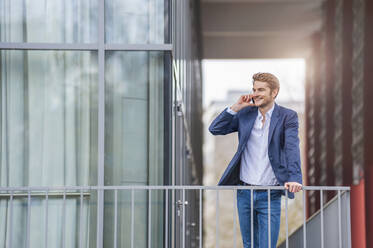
<point>252,100</point>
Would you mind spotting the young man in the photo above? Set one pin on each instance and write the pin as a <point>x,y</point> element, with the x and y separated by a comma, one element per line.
<point>267,154</point>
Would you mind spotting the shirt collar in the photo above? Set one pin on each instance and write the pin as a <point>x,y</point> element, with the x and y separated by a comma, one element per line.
<point>268,113</point>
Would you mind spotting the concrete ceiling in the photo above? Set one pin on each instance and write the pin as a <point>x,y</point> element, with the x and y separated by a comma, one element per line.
<point>233,29</point>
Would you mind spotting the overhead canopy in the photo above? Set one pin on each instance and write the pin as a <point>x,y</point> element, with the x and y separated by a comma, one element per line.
<point>233,29</point>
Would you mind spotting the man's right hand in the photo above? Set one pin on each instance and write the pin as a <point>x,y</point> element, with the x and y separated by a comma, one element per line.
<point>242,102</point>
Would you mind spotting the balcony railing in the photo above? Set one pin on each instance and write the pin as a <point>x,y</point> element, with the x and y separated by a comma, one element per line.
<point>171,204</point>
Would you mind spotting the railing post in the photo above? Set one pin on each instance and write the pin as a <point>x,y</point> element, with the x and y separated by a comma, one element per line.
<point>81,220</point>
<point>322,217</point>
<point>11,219</point>
<point>234,218</point>
<point>269,217</point>
<point>252,216</point>
<point>28,219</point>
<point>200,218</point>
<point>166,221</point>
<point>217,219</point>
<point>286,219</point>
<point>304,220</point>
<point>348,216</point>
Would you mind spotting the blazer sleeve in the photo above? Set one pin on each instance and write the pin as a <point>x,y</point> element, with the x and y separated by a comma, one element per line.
<point>224,123</point>
<point>292,152</point>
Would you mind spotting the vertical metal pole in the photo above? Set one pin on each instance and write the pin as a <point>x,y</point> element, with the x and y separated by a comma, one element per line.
<point>339,220</point>
<point>173,220</point>
<point>166,224</point>
<point>116,217</point>
<point>322,217</point>
<point>286,219</point>
<point>132,217</point>
<point>252,216</point>
<point>269,217</point>
<point>46,219</point>
<point>234,218</point>
<point>63,217</point>
<point>81,220</point>
<point>347,194</point>
<point>200,218</point>
<point>217,219</point>
<point>183,203</point>
<point>304,220</point>
<point>150,219</point>
<point>28,219</point>
<point>11,219</point>
<point>101,122</point>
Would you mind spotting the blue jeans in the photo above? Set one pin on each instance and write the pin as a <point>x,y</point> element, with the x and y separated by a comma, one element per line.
<point>260,216</point>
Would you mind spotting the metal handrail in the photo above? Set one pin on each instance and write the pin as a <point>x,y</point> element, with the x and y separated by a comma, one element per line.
<point>85,191</point>
<point>151,187</point>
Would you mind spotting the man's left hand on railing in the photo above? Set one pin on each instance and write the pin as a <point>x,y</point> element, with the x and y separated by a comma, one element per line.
<point>293,187</point>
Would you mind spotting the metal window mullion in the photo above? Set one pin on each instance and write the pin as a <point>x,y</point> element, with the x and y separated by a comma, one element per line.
<point>139,47</point>
<point>84,47</point>
<point>47,46</point>
<point>101,122</point>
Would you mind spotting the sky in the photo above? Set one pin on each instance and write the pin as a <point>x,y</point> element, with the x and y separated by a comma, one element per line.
<point>219,76</point>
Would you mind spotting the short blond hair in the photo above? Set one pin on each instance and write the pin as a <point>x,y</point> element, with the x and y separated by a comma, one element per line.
<point>270,79</point>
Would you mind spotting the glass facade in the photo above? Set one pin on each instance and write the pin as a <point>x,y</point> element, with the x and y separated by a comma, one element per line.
<point>45,21</point>
<point>136,21</point>
<point>49,117</point>
<point>89,96</point>
<point>134,110</point>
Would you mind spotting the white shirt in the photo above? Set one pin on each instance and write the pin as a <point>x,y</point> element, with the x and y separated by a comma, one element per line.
<point>256,168</point>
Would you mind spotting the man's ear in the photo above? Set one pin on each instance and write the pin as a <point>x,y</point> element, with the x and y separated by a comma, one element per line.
<point>274,93</point>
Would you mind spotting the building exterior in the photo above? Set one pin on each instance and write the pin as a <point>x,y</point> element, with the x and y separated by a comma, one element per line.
<point>338,116</point>
<point>98,93</point>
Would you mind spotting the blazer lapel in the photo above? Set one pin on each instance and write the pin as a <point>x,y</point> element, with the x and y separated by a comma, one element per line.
<point>274,119</point>
<point>249,120</point>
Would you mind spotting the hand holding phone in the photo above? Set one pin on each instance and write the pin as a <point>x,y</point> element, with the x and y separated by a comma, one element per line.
<point>242,102</point>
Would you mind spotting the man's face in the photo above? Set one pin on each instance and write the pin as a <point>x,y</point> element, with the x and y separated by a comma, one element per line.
<point>262,94</point>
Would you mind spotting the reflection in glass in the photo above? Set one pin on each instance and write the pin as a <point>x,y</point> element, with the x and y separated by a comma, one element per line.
<point>134,133</point>
<point>58,21</point>
<point>48,138</point>
<point>136,21</point>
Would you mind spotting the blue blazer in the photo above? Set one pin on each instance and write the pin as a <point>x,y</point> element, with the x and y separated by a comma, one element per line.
<point>283,142</point>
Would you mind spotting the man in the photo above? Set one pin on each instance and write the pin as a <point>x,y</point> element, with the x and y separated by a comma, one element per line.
<point>267,155</point>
